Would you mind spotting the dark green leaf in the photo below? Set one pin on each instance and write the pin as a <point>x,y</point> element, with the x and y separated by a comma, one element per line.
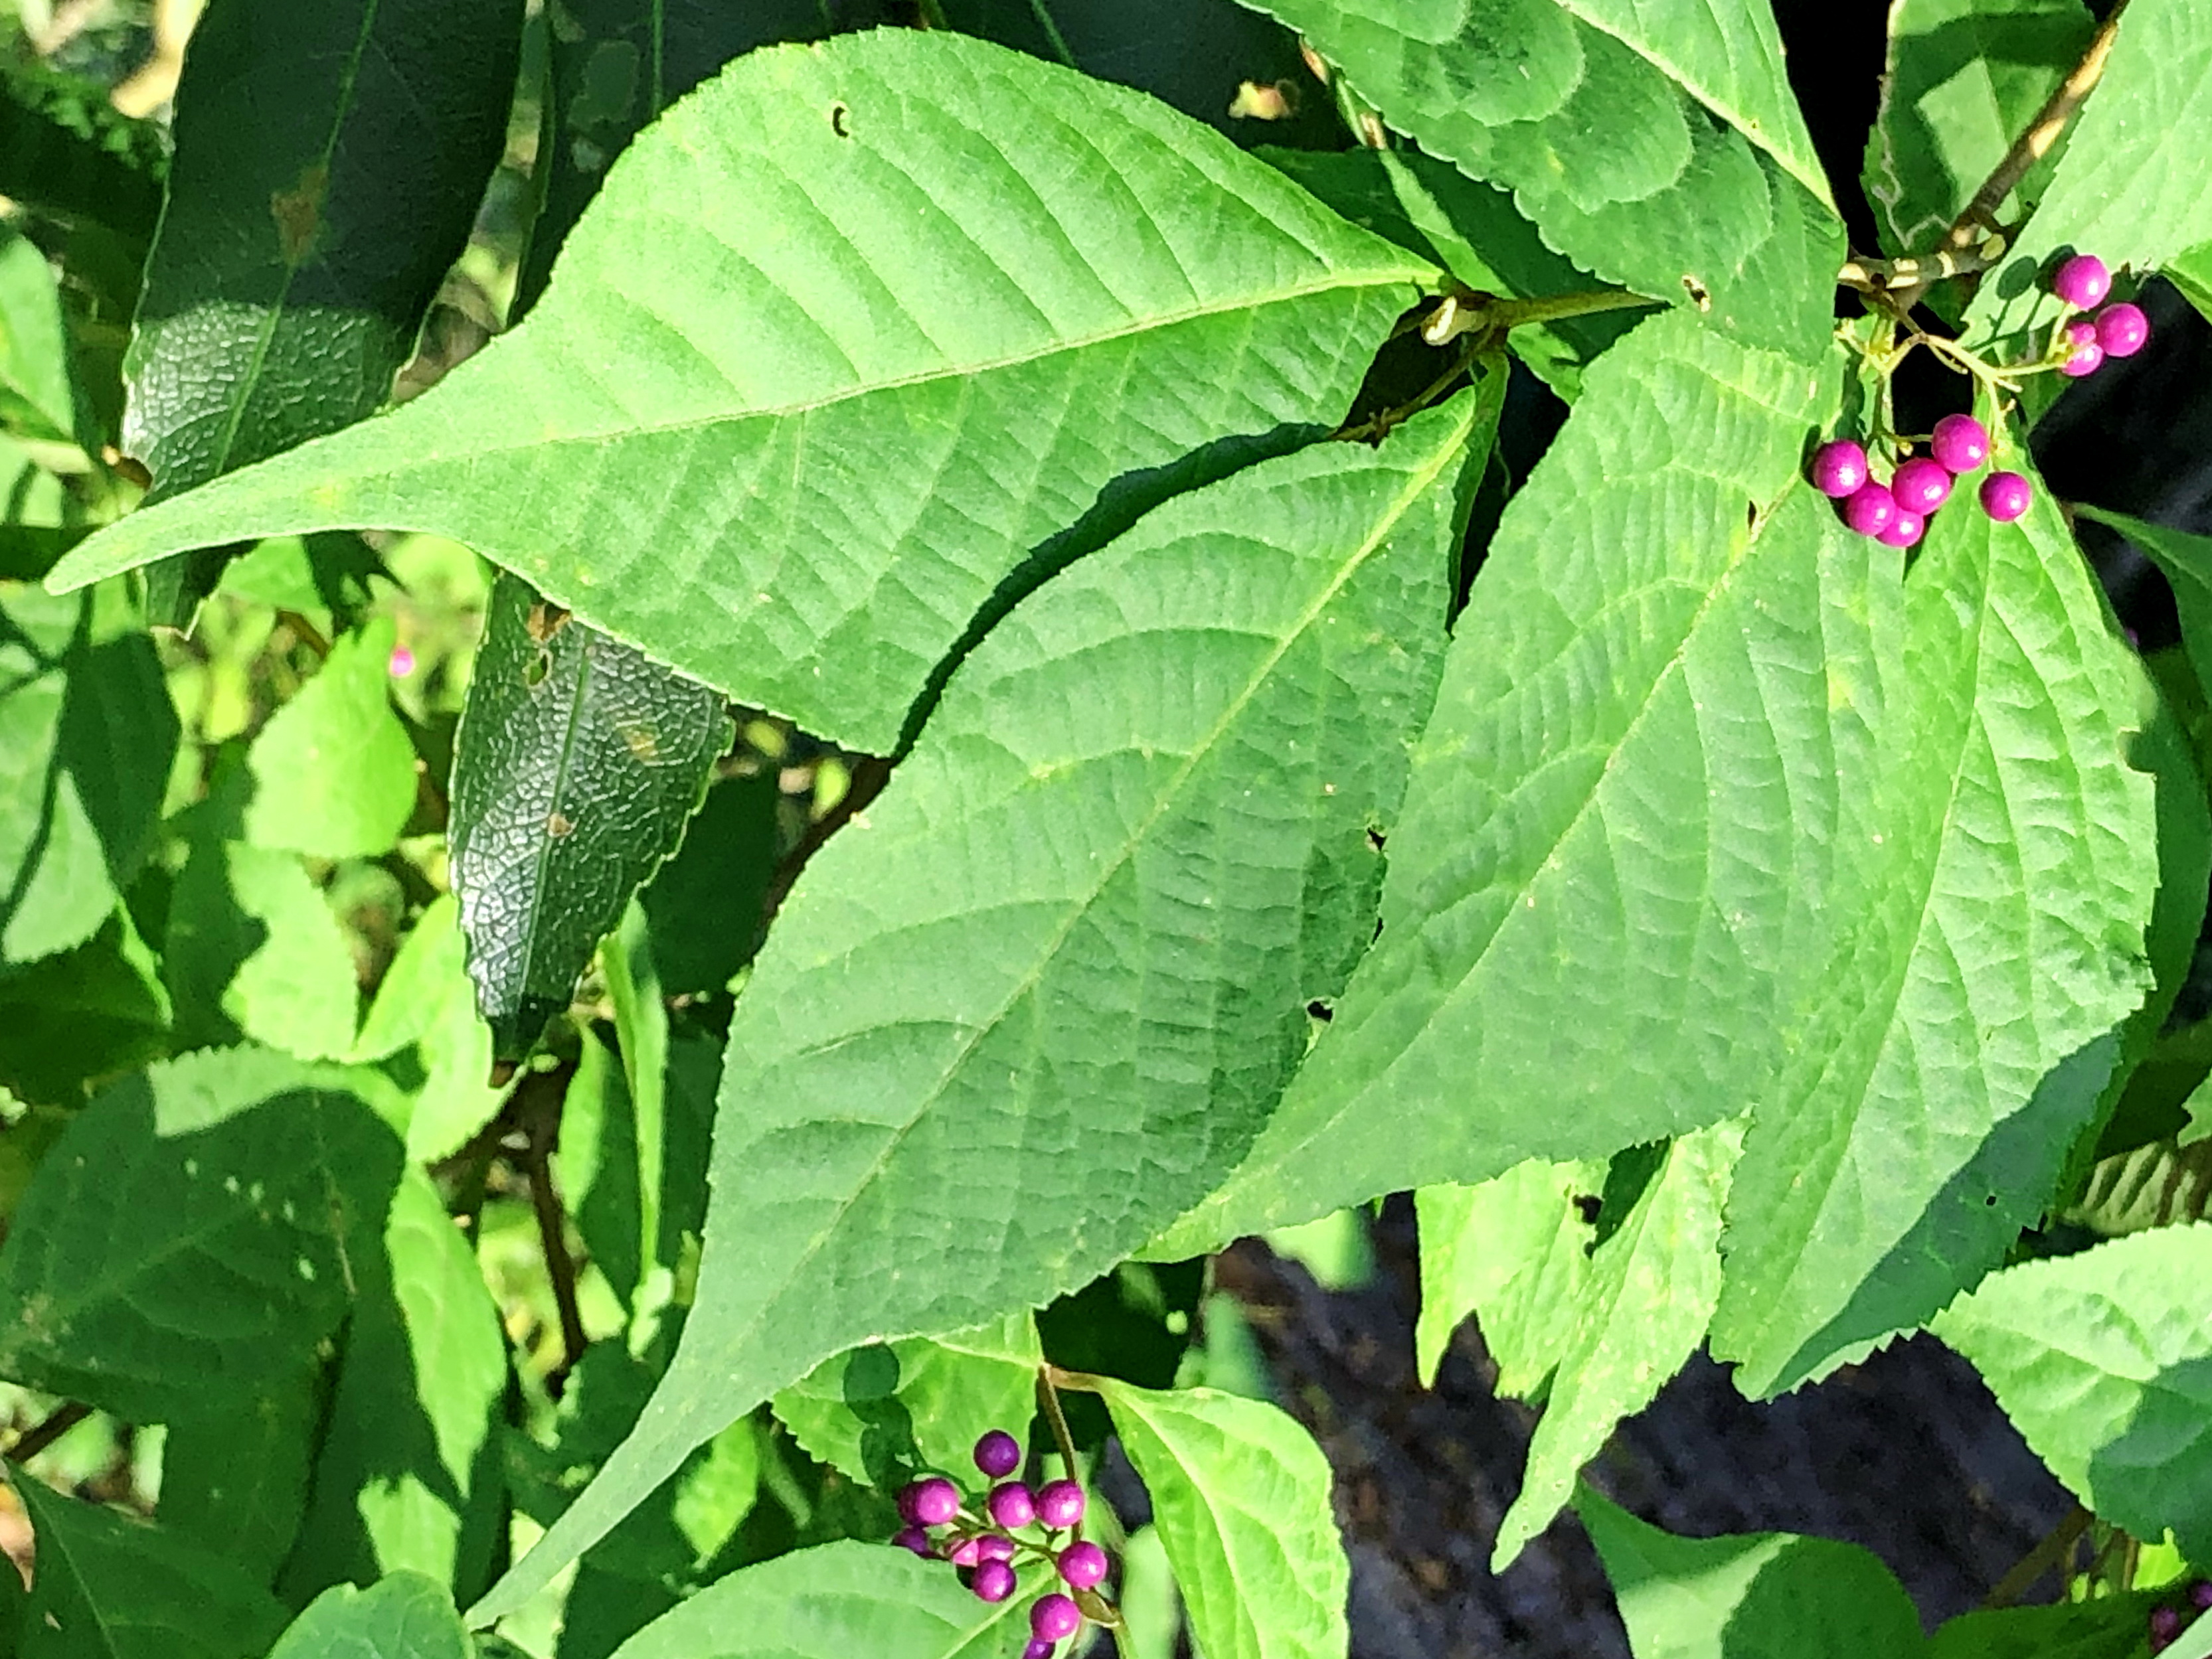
<point>234,1472</point>
<point>955,380</point>
<point>2110,1628</point>
<point>113,1589</point>
<point>406,1616</point>
<point>86,738</point>
<point>1077,931</point>
<point>2186,560</point>
<point>579,761</point>
<point>705,905</point>
<point>1965,78</point>
<point>65,150</point>
<point>2190,271</point>
<point>87,1014</point>
<point>290,276</point>
<point>2103,1361</point>
<point>196,1232</point>
<point>255,951</point>
<point>1750,1596</point>
<point>1664,152</point>
<point>408,1475</point>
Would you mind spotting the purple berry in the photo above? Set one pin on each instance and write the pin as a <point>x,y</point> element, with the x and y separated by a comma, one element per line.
<point>2084,357</point>
<point>2165,1626</point>
<point>1904,531</point>
<point>1838,468</point>
<point>1870,509</point>
<point>966,1553</point>
<point>2200,1594</point>
<point>1055,1617</point>
<point>1060,1503</point>
<point>995,1546</point>
<point>994,1581</point>
<point>1038,1648</point>
<point>929,1502</point>
<point>2122,330</point>
<point>2082,281</point>
<point>914,1538</point>
<point>1083,1564</point>
<point>1012,1505</point>
<point>2004,496</point>
<point>1921,485</point>
<point>997,1454</point>
<point>1961,443</point>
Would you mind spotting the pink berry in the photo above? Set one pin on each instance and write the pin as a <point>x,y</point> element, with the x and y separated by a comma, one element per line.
<point>2005,496</point>
<point>1870,509</point>
<point>2122,330</point>
<point>929,1502</point>
<point>2082,281</point>
<point>994,1581</point>
<point>1838,468</point>
<point>915,1539</point>
<point>995,1546</point>
<point>966,1553</point>
<point>2084,357</point>
<point>401,663</point>
<point>1011,1504</point>
<point>997,1454</point>
<point>1038,1648</point>
<point>1921,485</point>
<point>1060,1503</point>
<point>1083,1564</point>
<point>1904,531</point>
<point>1055,1617</point>
<point>1961,443</point>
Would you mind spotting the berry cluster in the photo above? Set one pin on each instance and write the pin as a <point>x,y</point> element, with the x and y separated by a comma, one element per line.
<point>1897,514</point>
<point>2117,331</point>
<point>984,1548</point>
<point>2168,1622</point>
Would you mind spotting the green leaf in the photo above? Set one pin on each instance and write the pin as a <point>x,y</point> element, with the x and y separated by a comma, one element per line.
<point>2103,1361</point>
<point>87,734</point>
<point>2110,1627</point>
<point>1241,1500</point>
<point>1084,918</point>
<point>2158,1185</point>
<point>406,1616</point>
<point>884,1412</point>
<point>832,1603</point>
<point>1610,769</point>
<point>426,1000</point>
<point>1652,1286</point>
<point>65,149</point>
<point>255,951</point>
<point>1611,127</point>
<point>577,763</point>
<point>2186,562</point>
<point>700,903</point>
<point>1981,988</point>
<point>289,278</point>
<point>953,382</point>
<point>333,771</point>
<point>194,1234</point>
<point>1513,1251</point>
<point>409,1475</point>
<point>2190,271</point>
<point>90,1013</point>
<point>1473,231</point>
<point>2128,186</point>
<point>1750,1595</point>
<point>36,398</point>
<point>109,1588</point>
<point>235,1470</point>
<point>1964,79</point>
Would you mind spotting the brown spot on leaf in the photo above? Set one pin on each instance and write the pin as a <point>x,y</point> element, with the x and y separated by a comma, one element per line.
<point>298,213</point>
<point>1700,296</point>
<point>545,620</point>
<point>558,825</point>
<point>642,742</point>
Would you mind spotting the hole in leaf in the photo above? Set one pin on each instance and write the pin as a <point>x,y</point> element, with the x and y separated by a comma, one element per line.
<point>1587,1205</point>
<point>1321,1010</point>
<point>839,121</point>
<point>535,670</point>
<point>1699,295</point>
<point>1374,838</point>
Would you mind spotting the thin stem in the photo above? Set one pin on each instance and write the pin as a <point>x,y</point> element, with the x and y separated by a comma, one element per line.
<point>60,1422</point>
<point>1048,1402</point>
<point>1042,12</point>
<point>545,1126</point>
<point>2056,1545</point>
<point>1379,424</point>
<point>1894,275</point>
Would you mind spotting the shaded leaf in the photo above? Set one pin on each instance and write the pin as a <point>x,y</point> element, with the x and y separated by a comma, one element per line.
<point>255,951</point>
<point>2110,1627</point>
<point>2103,1361</point>
<point>2190,271</point>
<point>65,149</point>
<point>1241,1501</point>
<point>289,278</point>
<point>2186,561</point>
<point>87,734</point>
<point>705,905</point>
<point>884,1412</point>
<point>1642,1311</point>
<point>427,1001</point>
<point>196,1232</point>
<point>577,763</point>
<point>234,1472</point>
<point>1077,931</point>
<point>1590,112</point>
<point>1749,1594</point>
<point>333,771</point>
<point>1512,1251</point>
<point>114,1588</point>
<point>934,433</point>
<point>87,1014</point>
<point>1964,79</point>
<point>406,1616</point>
<point>831,1602</point>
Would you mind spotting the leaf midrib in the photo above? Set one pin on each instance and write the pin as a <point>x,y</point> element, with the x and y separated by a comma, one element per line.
<point>1418,483</point>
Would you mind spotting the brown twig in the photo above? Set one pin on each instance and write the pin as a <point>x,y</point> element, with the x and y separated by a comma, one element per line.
<point>541,1117</point>
<point>60,1421</point>
<point>2057,1544</point>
